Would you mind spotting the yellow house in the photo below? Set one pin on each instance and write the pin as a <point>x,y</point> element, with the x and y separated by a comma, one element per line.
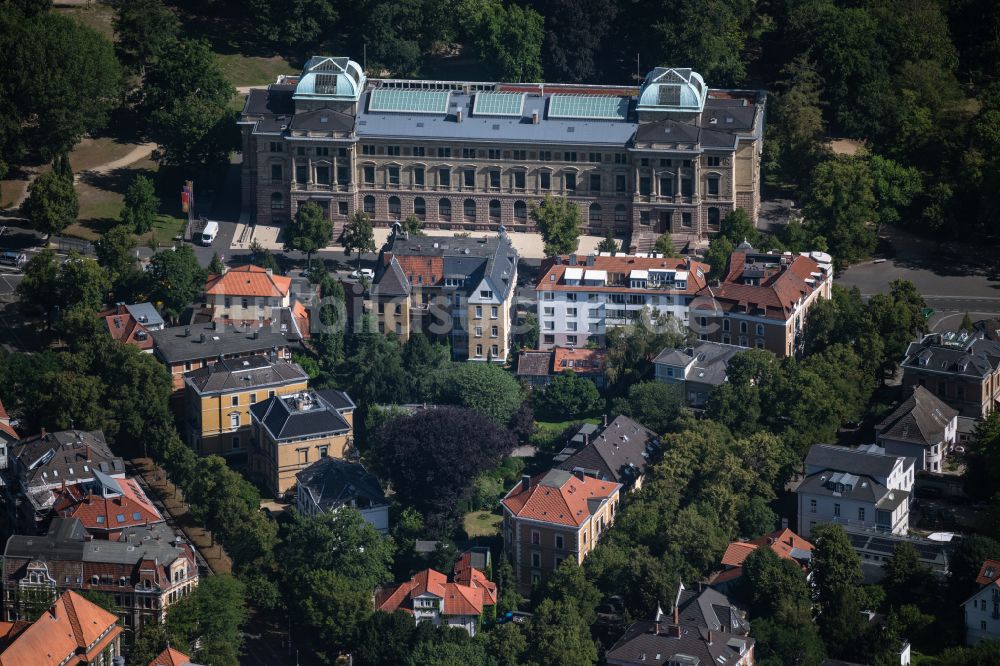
<point>290,432</point>
<point>218,399</point>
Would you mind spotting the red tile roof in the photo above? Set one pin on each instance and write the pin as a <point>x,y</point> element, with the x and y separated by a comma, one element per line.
<point>781,542</point>
<point>779,289</point>
<point>123,327</point>
<point>579,359</point>
<point>558,497</point>
<point>466,594</point>
<point>170,657</point>
<point>69,627</point>
<point>431,269</point>
<point>100,514</point>
<point>551,273</point>
<point>301,316</point>
<point>988,573</point>
<point>248,280</point>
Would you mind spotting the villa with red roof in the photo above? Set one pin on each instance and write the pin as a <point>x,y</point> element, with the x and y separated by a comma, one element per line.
<point>430,597</point>
<point>785,543</point>
<point>552,517</point>
<point>72,631</point>
<point>105,506</point>
<point>246,295</point>
<point>172,657</point>
<point>763,300</point>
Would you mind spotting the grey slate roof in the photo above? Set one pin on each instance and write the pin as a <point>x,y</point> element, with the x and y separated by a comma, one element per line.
<point>710,609</point>
<point>617,453</point>
<point>534,363</point>
<point>275,99</point>
<point>172,345</point>
<point>234,374</point>
<point>643,645</point>
<point>710,360</point>
<point>67,540</point>
<point>921,419</point>
<point>862,489</point>
<point>954,352</point>
<point>332,483</point>
<point>867,461</point>
<point>322,120</point>
<point>307,414</point>
<point>76,454</point>
<point>146,314</point>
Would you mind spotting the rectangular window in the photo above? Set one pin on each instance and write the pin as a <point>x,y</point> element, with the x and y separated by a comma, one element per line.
<point>493,153</point>
<point>323,175</point>
<point>322,152</point>
<point>495,179</point>
<point>545,180</point>
<point>277,147</point>
<point>367,149</point>
<point>666,186</point>
<point>545,155</point>
<point>444,152</point>
<point>369,175</point>
<point>479,312</point>
<point>594,157</point>
<point>536,560</point>
<point>836,510</point>
<point>392,150</point>
<point>644,186</point>
<point>341,208</point>
<point>479,350</point>
<point>621,158</point>
<point>494,312</point>
<point>812,506</point>
<point>620,183</point>
<point>343,175</point>
<point>518,180</point>
<point>570,156</point>
<point>234,420</point>
<point>392,175</point>
<point>861,513</point>
<point>468,153</point>
<point>520,155</point>
<point>570,179</point>
<point>276,175</point>
<point>686,187</point>
<point>469,178</point>
<point>301,173</point>
<point>419,151</point>
<point>418,176</point>
<point>235,401</point>
<point>714,161</point>
<point>444,176</point>
<point>713,185</point>
<point>686,219</point>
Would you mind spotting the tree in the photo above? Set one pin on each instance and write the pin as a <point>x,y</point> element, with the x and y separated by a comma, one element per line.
<point>82,282</point>
<point>558,636</point>
<point>897,316</point>
<point>413,225</point>
<point>707,35</point>
<point>508,598</point>
<point>144,29</point>
<point>569,396</point>
<point>569,584</point>
<point>768,581</point>
<point>359,236</point>
<point>485,387</point>
<point>300,23</point>
<point>840,204</point>
<point>506,645</point>
<point>654,404</point>
<point>797,126</point>
<point>738,228</point>
<point>116,253</point>
<point>895,186</point>
<point>38,290</point>
<point>558,220</point>
<point>443,448</point>
<point>52,204</point>
<point>141,204</point>
<point>175,279</point>
<point>717,257</point>
<point>385,639</point>
<point>424,360</point>
<point>574,33</point>
<point>608,244</point>
<point>310,230</point>
<point>208,622</point>
<point>511,34</point>
<point>967,324</point>
<point>837,575</point>
<point>787,637</point>
<point>215,266</point>
<point>332,607</point>
<point>665,246</point>
<point>631,348</point>
<point>186,99</point>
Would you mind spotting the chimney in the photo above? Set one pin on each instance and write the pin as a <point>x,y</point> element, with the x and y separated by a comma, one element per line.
<point>677,617</point>
<point>534,117</point>
<point>605,420</point>
<point>269,271</point>
<point>88,452</point>
<point>710,635</point>
<point>586,440</point>
<point>187,332</point>
<point>525,482</point>
<point>590,260</point>
<point>458,116</point>
<point>201,338</point>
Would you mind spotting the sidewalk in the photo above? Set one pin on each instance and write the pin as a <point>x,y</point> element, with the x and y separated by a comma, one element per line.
<point>172,499</point>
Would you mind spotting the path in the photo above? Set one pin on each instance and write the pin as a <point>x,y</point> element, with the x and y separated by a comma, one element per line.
<point>140,152</point>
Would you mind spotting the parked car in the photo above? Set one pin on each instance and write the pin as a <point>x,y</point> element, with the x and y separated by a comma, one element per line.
<point>13,259</point>
<point>363,273</point>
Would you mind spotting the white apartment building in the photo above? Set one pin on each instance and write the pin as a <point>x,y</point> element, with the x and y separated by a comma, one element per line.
<point>862,487</point>
<point>982,609</point>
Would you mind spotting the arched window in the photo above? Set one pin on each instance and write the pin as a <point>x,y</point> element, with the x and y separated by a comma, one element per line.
<point>369,205</point>
<point>620,213</point>
<point>713,217</point>
<point>520,210</point>
<point>469,207</point>
<point>277,201</point>
<point>494,209</point>
<point>419,207</point>
<point>444,209</point>
<point>394,206</point>
<point>595,213</point>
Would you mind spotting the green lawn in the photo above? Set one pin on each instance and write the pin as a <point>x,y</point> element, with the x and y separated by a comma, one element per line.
<point>557,427</point>
<point>90,153</point>
<point>481,523</point>
<point>96,15</point>
<point>243,70</point>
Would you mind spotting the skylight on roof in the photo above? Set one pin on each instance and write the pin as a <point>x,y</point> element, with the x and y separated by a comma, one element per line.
<point>409,101</point>
<point>600,107</point>
<point>498,104</point>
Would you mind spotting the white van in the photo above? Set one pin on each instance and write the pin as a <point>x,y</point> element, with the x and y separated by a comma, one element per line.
<point>209,233</point>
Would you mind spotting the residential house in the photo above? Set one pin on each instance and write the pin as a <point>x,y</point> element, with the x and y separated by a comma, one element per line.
<point>331,483</point>
<point>763,300</point>
<point>860,487</point>
<point>429,596</point>
<point>106,506</point>
<point>554,516</point>
<point>670,155</point>
<point>146,569</point>
<point>784,543</point>
<point>186,348</point>
<point>218,398</point>
<point>246,295</point>
<point>71,632</point>
<point>961,368</point>
<point>132,324</point>
<point>581,298</point>
<point>696,370</point>
<point>43,464</point>
<point>463,288</point>
<point>539,368</point>
<point>875,548</point>
<point>290,431</point>
<point>8,437</point>
<point>921,427</point>
<point>476,557</point>
<point>172,657</point>
<point>618,451</point>
<point>982,609</point>
<point>702,628</point>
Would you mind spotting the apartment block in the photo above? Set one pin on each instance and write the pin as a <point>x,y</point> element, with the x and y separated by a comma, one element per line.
<point>581,298</point>
<point>669,155</point>
<point>459,289</point>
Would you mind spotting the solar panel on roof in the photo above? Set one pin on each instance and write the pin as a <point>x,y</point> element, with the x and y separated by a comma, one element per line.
<point>606,107</point>
<point>409,101</point>
<point>498,104</point>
